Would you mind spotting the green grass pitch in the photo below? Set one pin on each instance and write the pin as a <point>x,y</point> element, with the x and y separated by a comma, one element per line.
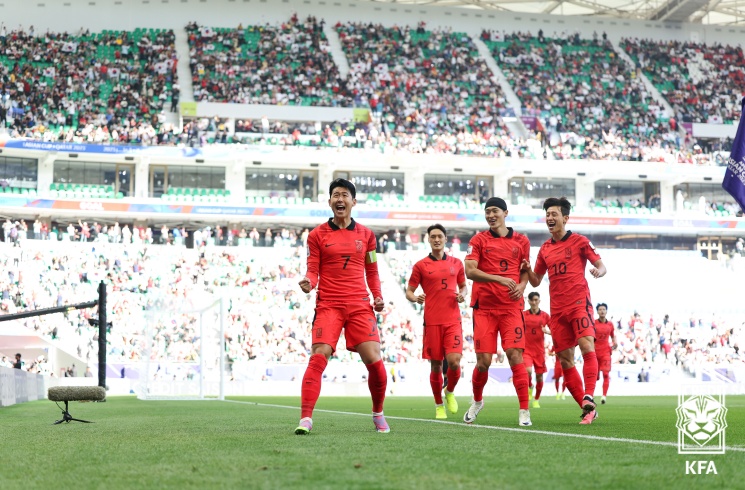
<point>250,443</point>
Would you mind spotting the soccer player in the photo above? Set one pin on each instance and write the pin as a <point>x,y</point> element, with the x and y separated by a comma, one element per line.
<point>604,332</point>
<point>564,256</point>
<point>493,264</point>
<point>558,374</point>
<point>342,264</point>
<point>536,325</point>
<point>443,282</point>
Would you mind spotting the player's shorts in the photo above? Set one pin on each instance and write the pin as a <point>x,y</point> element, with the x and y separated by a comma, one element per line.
<point>440,340</point>
<point>509,324</point>
<point>567,327</point>
<point>603,363</point>
<point>558,370</point>
<point>357,320</point>
<point>536,361</point>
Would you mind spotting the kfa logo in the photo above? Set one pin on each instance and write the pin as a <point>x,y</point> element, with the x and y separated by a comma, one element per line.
<point>701,424</point>
<point>358,244</point>
<point>515,252</point>
<point>700,468</point>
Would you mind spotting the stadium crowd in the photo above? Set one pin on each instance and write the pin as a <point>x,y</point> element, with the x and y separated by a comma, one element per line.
<point>703,83</point>
<point>288,64</point>
<point>108,87</point>
<point>427,91</point>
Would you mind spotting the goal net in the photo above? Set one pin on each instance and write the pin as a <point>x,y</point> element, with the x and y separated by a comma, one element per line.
<point>183,352</point>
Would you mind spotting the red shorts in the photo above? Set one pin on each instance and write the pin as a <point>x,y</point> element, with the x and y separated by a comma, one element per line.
<point>535,359</point>
<point>509,324</point>
<point>558,370</point>
<point>440,340</point>
<point>567,327</point>
<point>357,320</point>
<point>604,363</point>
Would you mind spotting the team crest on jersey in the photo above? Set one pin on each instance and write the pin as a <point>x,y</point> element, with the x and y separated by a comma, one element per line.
<point>358,244</point>
<point>568,253</point>
<point>515,252</point>
<point>452,271</point>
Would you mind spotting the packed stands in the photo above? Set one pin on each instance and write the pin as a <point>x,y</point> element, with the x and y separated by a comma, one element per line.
<point>595,105</point>
<point>431,87</point>
<point>107,87</point>
<point>288,64</point>
<point>702,83</point>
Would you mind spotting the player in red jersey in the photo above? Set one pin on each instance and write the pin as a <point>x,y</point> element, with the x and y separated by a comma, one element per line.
<point>536,325</point>
<point>558,374</point>
<point>443,283</point>
<point>342,264</point>
<point>493,264</point>
<point>604,332</point>
<point>564,256</point>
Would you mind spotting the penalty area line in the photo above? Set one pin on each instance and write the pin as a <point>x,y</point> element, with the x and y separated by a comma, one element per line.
<point>491,427</point>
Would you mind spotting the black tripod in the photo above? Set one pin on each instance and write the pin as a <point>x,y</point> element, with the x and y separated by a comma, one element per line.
<point>66,417</point>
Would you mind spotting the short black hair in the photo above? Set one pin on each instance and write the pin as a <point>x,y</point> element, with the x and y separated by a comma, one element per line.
<point>562,202</point>
<point>343,183</point>
<point>533,295</point>
<point>601,304</point>
<point>437,226</point>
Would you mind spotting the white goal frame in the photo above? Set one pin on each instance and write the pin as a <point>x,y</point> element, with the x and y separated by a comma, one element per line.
<point>204,387</point>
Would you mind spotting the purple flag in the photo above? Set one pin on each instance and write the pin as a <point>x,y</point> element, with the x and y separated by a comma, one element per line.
<point>734,177</point>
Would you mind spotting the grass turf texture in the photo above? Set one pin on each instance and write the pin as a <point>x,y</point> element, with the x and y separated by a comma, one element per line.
<point>211,444</point>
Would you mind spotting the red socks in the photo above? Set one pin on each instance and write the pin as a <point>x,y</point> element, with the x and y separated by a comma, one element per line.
<point>538,389</point>
<point>435,381</point>
<point>556,383</point>
<point>590,372</point>
<point>311,388</point>
<point>574,384</point>
<point>377,382</point>
<point>606,384</point>
<point>521,380</point>
<point>453,377</point>
<point>479,380</point>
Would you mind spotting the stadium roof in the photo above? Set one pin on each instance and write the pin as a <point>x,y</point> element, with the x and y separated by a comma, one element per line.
<point>721,12</point>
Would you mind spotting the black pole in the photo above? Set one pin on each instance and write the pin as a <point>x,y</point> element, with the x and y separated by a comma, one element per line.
<point>102,334</point>
<point>47,311</point>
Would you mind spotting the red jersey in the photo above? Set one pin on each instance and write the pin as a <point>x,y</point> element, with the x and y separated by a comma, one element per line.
<point>534,336</point>
<point>439,280</point>
<point>500,256</point>
<point>565,261</point>
<point>340,260</point>
<point>604,331</point>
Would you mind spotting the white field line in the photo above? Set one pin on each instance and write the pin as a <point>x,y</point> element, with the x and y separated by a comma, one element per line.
<point>491,427</point>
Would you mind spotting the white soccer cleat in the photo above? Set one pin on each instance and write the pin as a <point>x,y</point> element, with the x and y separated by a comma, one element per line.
<point>602,400</point>
<point>524,418</point>
<point>473,411</point>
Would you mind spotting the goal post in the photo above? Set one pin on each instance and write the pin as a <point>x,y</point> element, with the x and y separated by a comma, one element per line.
<point>183,350</point>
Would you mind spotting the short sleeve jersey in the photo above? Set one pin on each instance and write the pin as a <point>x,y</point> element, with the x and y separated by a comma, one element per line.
<point>565,261</point>
<point>341,261</point>
<point>439,280</point>
<point>603,333</point>
<point>500,256</point>
<point>534,336</point>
